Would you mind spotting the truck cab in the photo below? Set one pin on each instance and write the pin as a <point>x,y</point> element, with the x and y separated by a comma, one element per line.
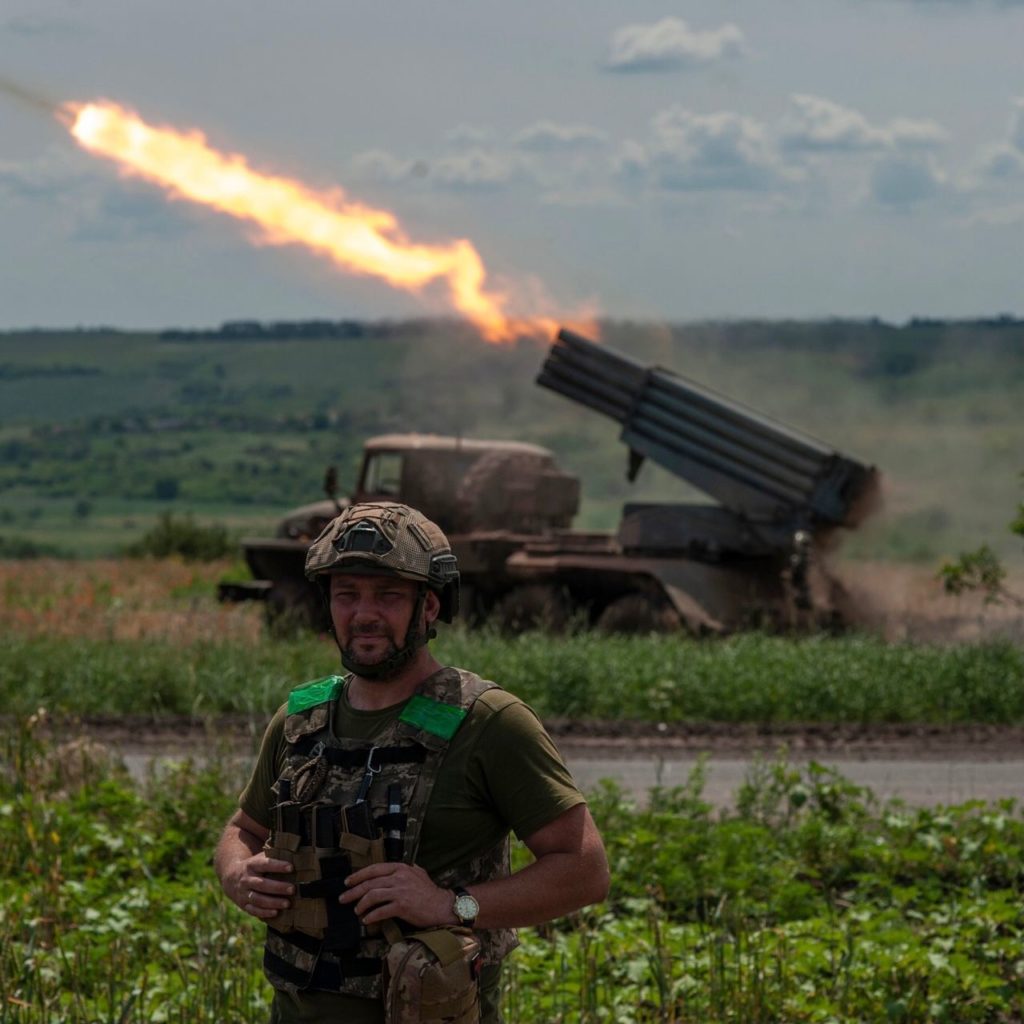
<point>490,497</point>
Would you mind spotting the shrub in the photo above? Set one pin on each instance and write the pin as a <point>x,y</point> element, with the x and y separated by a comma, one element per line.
<point>184,537</point>
<point>19,547</point>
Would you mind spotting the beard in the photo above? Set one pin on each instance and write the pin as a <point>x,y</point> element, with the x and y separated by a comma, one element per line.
<point>378,666</point>
<point>372,633</point>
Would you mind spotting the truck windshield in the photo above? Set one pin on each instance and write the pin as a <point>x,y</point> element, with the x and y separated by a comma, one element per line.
<point>384,474</point>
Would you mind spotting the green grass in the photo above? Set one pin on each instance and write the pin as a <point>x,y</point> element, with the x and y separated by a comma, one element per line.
<point>752,677</point>
<point>111,524</point>
<point>810,902</point>
<point>749,678</point>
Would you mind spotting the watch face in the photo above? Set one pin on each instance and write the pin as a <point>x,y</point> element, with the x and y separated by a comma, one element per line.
<point>466,908</point>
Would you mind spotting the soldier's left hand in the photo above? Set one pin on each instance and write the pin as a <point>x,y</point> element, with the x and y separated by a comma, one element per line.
<point>392,889</point>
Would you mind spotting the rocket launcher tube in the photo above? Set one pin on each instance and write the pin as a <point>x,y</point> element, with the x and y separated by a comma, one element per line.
<point>753,465</point>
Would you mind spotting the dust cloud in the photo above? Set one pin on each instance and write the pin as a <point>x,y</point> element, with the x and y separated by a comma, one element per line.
<point>908,603</point>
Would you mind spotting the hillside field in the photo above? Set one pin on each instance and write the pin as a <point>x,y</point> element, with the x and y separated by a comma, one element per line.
<point>102,430</point>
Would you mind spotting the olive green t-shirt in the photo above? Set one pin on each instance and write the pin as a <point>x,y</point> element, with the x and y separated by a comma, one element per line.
<point>501,773</point>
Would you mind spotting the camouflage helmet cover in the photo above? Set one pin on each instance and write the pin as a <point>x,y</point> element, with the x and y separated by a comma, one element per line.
<point>391,539</point>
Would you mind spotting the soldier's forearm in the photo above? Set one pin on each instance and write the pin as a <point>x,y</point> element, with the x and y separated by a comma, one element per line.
<point>554,885</point>
<point>236,845</point>
<point>570,872</point>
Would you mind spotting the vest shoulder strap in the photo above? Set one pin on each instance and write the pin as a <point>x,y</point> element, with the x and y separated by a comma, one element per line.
<point>309,706</point>
<point>318,691</point>
<point>431,717</point>
<point>435,712</point>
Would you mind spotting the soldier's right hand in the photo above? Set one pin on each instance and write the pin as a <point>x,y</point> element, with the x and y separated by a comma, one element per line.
<point>259,890</point>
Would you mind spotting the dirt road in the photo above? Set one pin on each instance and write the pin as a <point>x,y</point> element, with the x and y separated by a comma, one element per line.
<point>919,783</point>
<point>922,765</point>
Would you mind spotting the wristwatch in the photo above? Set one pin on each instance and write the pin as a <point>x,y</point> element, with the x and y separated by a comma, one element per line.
<point>466,907</point>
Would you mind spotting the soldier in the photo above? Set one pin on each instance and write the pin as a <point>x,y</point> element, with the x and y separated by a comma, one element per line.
<point>373,835</point>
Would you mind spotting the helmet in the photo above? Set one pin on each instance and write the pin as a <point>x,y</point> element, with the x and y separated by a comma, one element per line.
<point>387,538</point>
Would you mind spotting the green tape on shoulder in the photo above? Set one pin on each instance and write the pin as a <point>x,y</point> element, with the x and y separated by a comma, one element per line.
<point>433,716</point>
<point>310,694</point>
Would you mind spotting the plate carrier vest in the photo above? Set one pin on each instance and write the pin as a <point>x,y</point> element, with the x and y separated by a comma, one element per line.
<point>318,944</point>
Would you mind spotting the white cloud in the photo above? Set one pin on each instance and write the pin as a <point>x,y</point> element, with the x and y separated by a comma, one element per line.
<point>1000,216</point>
<point>49,178</point>
<point>1016,128</point>
<point>380,165</point>
<point>131,211</point>
<point>25,182</point>
<point>548,137</point>
<point>670,45</point>
<point>95,207</point>
<point>468,134</point>
<point>721,151</point>
<point>1004,161</point>
<point>474,169</point>
<point>631,163</point>
<point>905,180</point>
<point>815,124</point>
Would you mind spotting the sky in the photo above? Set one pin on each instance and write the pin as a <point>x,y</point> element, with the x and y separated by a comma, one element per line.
<point>653,161</point>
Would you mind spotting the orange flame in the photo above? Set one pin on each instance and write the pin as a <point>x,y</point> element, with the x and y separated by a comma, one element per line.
<point>356,238</point>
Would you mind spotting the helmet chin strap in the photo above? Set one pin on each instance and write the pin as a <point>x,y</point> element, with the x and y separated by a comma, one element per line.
<point>392,665</point>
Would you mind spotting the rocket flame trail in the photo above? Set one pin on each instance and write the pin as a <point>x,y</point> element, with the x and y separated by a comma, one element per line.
<point>355,237</point>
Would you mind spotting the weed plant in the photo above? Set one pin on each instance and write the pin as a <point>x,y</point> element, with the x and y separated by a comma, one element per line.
<point>809,902</point>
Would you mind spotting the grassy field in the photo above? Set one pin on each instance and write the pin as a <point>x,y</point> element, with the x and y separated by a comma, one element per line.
<point>147,637</point>
<point>809,902</point>
<point>101,431</point>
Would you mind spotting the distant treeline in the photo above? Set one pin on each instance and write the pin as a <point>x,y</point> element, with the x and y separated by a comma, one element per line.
<point>288,330</point>
<point>732,330</point>
<point>10,371</point>
<point>141,423</point>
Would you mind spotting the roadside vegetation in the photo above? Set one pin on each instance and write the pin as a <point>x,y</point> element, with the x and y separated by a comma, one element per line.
<point>809,902</point>
<point>147,637</point>
<point>751,678</point>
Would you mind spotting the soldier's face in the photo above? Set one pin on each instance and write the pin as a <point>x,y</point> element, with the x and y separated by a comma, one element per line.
<point>371,614</point>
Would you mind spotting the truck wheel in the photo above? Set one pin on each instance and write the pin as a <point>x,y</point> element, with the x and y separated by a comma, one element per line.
<point>472,609</point>
<point>292,607</point>
<point>638,613</point>
<point>532,606</point>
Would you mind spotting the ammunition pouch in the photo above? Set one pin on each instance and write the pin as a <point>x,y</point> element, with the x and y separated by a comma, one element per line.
<point>362,851</point>
<point>284,846</point>
<point>321,868</point>
<point>432,977</point>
